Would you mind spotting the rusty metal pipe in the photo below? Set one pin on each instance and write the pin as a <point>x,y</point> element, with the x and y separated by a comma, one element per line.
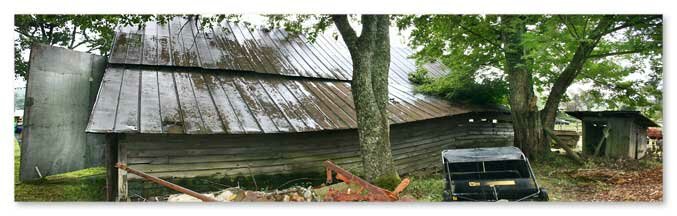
<point>165,183</point>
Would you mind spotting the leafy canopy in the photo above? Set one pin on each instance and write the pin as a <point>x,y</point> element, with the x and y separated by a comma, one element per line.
<point>624,69</point>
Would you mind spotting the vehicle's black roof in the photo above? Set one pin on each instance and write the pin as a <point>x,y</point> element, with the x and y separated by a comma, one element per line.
<point>483,154</point>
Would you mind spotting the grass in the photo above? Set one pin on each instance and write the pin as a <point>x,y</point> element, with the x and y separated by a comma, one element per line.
<point>81,185</point>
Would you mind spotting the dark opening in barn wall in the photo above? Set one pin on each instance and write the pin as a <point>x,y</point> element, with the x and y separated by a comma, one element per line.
<point>61,89</point>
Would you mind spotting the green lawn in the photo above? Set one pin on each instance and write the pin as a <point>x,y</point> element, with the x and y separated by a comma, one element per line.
<point>82,185</point>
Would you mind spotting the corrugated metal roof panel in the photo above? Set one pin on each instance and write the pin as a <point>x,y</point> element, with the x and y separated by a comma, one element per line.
<point>234,46</point>
<point>197,101</point>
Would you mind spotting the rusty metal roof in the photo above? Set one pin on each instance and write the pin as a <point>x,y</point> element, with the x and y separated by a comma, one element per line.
<point>234,46</point>
<point>196,101</point>
<point>172,79</point>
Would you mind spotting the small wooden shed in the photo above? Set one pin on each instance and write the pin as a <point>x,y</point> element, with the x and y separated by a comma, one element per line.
<point>621,134</point>
<point>178,102</point>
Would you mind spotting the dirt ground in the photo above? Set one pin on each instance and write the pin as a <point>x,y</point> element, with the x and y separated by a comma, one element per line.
<point>644,185</point>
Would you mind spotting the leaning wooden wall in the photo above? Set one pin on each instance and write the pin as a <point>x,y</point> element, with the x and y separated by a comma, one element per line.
<point>415,146</point>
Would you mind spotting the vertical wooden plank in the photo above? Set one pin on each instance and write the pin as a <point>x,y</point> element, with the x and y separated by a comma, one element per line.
<point>170,112</point>
<point>164,43</point>
<point>150,119</point>
<point>103,113</point>
<point>111,155</point>
<point>223,105</point>
<point>247,94</point>
<point>189,108</point>
<point>211,118</point>
<point>269,107</point>
<point>122,194</point>
<point>241,109</point>
<point>127,118</point>
<point>150,44</point>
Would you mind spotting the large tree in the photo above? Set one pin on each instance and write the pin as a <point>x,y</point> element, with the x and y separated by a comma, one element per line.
<point>370,55</point>
<point>547,53</point>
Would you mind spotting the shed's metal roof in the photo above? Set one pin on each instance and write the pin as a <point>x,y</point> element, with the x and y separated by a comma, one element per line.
<point>483,154</point>
<point>172,79</point>
<point>636,115</point>
<point>242,48</point>
<point>196,101</point>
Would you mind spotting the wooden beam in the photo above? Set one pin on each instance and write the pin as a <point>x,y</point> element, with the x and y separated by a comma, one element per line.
<point>111,157</point>
<point>122,194</point>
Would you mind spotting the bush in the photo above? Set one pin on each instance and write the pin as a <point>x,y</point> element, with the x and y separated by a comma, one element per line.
<point>461,87</point>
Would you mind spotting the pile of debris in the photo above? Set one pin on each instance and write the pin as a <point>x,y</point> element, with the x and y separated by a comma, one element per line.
<point>364,191</point>
<point>294,194</point>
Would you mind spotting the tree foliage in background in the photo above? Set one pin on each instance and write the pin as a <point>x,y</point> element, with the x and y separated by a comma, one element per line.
<point>554,51</point>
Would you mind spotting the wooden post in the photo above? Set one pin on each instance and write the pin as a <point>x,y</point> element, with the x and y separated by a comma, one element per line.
<point>122,194</point>
<point>110,152</point>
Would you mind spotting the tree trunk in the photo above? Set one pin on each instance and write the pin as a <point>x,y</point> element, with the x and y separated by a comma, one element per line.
<point>370,54</point>
<point>523,102</point>
<point>583,51</point>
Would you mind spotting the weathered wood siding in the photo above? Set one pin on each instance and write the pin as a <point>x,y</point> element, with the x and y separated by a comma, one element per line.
<point>415,146</point>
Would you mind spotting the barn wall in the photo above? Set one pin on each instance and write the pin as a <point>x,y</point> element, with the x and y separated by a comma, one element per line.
<point>415,146</point>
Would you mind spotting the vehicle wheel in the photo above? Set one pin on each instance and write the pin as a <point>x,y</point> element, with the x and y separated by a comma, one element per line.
<point>543,196</point>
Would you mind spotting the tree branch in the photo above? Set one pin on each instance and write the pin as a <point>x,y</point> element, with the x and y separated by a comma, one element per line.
<point>347,32</point>
<point>493,43</point>
<point>602,55</point>
<point>73,34</point>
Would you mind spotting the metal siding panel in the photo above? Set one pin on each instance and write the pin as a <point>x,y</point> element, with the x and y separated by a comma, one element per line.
<point>265,56</point>
<point>164,45</point>
<point>119,51</point>
<point>328,100</point>
<point>134,47</point>
<point>230,45</point>
<point>150,103</point>
<point>267,44</point>
<point>247,49</point>
<point>265,122</point>
<point>59,96</point>
<point>269,107</point>
<point>105,108</point>
<point>150,44</point>
<point>223,105</point>
<point>307,102</point>
<point>127,117</point>
<point>172,122</point>
<point>240,107</point>
<point>206,59</point>
<point>189,108</point>
<point>290,112</point>
<point>210,116</point>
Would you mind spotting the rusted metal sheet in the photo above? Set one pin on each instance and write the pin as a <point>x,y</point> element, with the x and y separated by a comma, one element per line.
<point>195,101</point>
<point>234,46</point>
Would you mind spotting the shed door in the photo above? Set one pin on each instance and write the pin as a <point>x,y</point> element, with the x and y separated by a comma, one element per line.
<point>61,88</point>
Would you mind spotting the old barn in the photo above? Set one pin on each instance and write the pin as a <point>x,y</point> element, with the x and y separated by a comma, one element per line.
<point>179,102</point>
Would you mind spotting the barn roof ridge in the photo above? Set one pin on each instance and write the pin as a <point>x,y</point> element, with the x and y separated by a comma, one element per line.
<point>236,47</point>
